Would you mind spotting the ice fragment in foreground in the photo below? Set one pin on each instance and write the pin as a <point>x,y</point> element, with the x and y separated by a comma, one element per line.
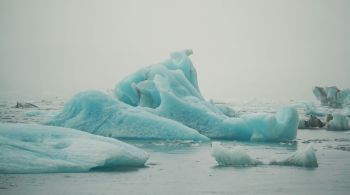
<point>31,148</point>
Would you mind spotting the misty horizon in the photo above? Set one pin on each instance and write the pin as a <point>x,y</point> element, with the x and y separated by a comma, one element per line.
<point>276,50</point>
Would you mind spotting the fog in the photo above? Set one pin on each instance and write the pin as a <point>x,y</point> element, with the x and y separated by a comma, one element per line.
<point>271,49</point>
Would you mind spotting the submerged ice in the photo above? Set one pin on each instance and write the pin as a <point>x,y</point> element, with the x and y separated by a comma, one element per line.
<point>32,148</point>
<point>163,101</point>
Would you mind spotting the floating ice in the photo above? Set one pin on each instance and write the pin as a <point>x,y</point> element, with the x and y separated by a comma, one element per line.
<point>311,109</point>
<point>170,89</point>
<point>339,122</point>
<point>312,122</point>
<point>163,101</point>
<point>25,105</point>
<point>232,157</point>
<point>31,148</point>
<point>304,157</point>
<point>98,113</point>
<point>332,96</point>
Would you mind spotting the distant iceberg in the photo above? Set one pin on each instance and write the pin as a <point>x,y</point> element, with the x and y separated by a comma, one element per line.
<point>32,148</point>
<point>232,157</point>
<point>304,157</point>
<point>163,101</point>
<point>332,96</point>
<point>311,109</point>
<point>339,122</point>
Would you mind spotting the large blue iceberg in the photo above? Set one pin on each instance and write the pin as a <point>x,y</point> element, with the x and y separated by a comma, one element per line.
<point>98,113</point>
<point>163,101</point>
<point>32,148</point>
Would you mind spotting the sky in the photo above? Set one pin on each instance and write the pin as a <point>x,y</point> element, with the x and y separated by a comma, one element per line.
<point>249,49</point>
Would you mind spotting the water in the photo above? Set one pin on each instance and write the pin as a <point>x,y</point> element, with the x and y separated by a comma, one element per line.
<point>189,168</point>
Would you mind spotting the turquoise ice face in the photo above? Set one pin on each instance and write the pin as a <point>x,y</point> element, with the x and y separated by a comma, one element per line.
<point>32,148</point>
<point>163,101</point>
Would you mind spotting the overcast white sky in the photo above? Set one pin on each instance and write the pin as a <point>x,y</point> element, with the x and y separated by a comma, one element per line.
<point>270,49</point>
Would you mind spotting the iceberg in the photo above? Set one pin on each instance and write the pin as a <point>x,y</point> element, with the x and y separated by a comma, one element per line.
<point>97,113</point>
<point>170,89</point>
<point>234,157</point>
<point>311,109</point>
<point>304,157</point>
<point>332,96</point>
<point>339,122</point>
<point>163,101</point>
<point>33,148</point>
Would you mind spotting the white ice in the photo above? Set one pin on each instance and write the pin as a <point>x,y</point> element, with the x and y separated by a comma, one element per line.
<point>232,157</point>
<point>339,122</point>
<point>303,157</point>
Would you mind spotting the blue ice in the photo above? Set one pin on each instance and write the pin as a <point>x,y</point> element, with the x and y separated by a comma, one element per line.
<point>332,96</point>
<point>33,148</point>
<point>98,113</point>
<point>163,101</point>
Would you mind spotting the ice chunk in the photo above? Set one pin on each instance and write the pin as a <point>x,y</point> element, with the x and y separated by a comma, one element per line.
<point>339,122</point>
<point>98,113</point>
<point>312,122</point>
<point>332,96</point>
<point>25,105</point>
<point>32,148</point>
<point>304,157</point>
<point>311,109</point>
<point>170,89</point>
<point>232,157</point>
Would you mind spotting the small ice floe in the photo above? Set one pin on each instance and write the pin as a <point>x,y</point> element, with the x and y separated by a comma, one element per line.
<point>25,105</point>
<point>32,148</point>
<point>304,157</point>
<point>339,122</point>
<point>232,157</point>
